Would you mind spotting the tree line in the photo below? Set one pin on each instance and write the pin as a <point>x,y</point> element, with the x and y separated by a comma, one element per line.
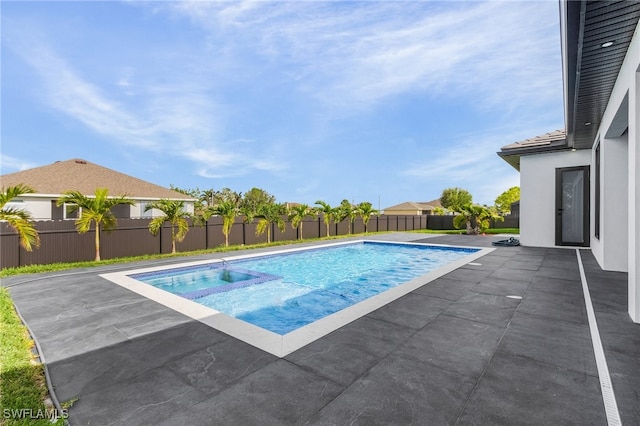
<point>255,204</point>
<point>259,204</point>
<point>228,204</point>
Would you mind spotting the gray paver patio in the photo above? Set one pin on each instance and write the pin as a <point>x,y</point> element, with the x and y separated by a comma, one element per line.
<point>455,351</point>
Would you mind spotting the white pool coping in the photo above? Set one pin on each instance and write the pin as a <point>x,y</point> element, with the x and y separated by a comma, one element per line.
<point>276,344</point>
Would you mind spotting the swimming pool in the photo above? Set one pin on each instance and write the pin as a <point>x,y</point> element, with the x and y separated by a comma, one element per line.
<point>280,301</point>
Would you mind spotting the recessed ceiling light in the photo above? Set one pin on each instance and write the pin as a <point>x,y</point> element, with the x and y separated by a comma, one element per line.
<point>588,123</point>
<point>607,44</point>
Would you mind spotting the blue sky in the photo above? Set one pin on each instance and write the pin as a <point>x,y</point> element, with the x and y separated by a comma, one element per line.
<point>380,101</point>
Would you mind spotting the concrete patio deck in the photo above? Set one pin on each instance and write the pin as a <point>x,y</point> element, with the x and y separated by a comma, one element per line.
<point>455,351</point>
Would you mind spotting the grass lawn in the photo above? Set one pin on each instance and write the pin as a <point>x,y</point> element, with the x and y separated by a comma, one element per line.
<point>23,388</point>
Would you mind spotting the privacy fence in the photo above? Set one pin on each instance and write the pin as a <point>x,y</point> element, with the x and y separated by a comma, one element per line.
<point>60,242</point>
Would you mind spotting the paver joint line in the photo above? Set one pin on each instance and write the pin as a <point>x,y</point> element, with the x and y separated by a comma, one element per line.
<point>610,405</point>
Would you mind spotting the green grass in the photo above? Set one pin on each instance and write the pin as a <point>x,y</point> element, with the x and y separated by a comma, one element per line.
<point>503,231</point>
<point>22,380</point>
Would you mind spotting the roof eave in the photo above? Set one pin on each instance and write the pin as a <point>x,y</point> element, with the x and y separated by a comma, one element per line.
<point>512,156</point>
<point>572,15</point>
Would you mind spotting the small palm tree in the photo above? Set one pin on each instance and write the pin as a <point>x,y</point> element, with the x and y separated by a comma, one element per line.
<point>95,209</point>
<point>175,214</point>
<point>366,210</point>
<point>297,215</point>
<point>270,214</point>
<point>477,218</point>
<point>327,213</point>
<point>19,219</point>
<point>346,210</point>
<point>228,211</point>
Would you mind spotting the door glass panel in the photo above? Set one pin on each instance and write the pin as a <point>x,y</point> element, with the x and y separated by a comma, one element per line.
<point>572,206</point>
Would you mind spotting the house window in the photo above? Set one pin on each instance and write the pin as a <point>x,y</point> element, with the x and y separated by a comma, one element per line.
<point>143,213</point>
<point>71,211</point>
<point>597,195</point>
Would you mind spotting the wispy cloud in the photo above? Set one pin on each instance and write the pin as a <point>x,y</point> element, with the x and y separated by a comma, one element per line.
<point>177,118</point>
<point>279,89</point>
<point>472,160</point>
<point>356,54</point>
<point>10,164</point>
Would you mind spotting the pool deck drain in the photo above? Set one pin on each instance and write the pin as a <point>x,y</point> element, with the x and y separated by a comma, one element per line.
<point>455,351</point>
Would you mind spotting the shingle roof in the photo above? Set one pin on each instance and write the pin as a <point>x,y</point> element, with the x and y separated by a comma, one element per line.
<point>85,177</point>
<point>410,205</point>
<point>432,203</point>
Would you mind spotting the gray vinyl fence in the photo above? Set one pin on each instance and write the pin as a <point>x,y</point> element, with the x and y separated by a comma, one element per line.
<point>445,222</point>
<point>60,242</point>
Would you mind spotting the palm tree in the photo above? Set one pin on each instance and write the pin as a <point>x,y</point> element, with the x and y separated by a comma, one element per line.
<point>366,210</point>
<point>346,210</point>
<point>228,210</point>
<point>19,219</point>
<point>297,215</point>
<point>175,214</point>
<point>327,213</point>
<point>477,218</point>
<point>96,208</point>
<point>270,214</point>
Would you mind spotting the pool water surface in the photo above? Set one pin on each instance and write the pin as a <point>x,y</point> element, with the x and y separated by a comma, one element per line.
<point>282,293</point>
<point>282,300</point>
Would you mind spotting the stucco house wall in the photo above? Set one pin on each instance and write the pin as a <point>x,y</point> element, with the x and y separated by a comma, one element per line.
<point>618,247</point>
<point>538,194</point>
<point>402,212</point>
<point>611,246</point>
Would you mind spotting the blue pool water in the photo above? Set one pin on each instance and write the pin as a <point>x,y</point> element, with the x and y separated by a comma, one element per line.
<point>284,292</point>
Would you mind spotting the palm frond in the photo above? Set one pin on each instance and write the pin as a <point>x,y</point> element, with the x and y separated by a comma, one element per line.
<point>262,226</point>
<point>21,222</point>
<point>11,192</point>
<point>156,224</point>
<point>83,223</point>
<point>183,228</point>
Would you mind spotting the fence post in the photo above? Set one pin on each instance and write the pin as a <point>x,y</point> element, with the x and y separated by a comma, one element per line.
<point>244,233</point>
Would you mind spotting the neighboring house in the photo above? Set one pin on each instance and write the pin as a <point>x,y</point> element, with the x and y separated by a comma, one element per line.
<point>51,181</point>
<point>582,187</point>
<point>413,208</point>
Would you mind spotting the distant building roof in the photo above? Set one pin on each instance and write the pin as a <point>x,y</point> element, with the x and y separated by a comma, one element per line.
<point>410,205</point>
<point>552,141</point>
<point>433,203</point>
<point>85,177</point>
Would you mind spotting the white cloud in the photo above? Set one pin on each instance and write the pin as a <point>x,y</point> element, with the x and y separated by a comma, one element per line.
<point>471,162</point>
<point>177,118</point>
<point>356,54</point>
<point>344,56</point>
<point>10,164</point>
